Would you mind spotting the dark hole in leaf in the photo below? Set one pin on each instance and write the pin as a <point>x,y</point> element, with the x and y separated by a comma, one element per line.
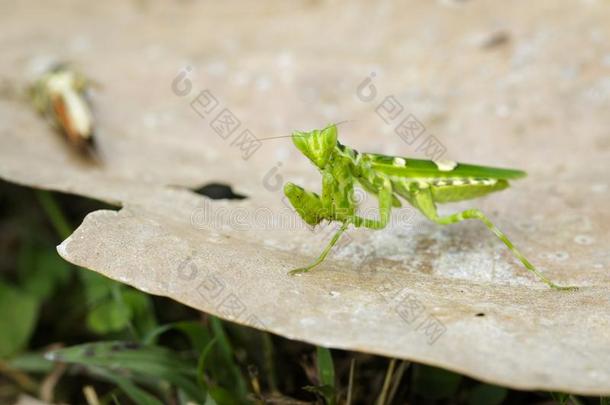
<point>480,314</point>
<point>218,191</point>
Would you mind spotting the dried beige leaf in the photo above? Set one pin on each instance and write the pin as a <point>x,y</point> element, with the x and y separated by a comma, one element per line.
<point>452,297</point>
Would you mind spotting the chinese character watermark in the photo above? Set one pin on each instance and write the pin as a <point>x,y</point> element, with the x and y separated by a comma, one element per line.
<point>221,120</point>
<point>406,125</point>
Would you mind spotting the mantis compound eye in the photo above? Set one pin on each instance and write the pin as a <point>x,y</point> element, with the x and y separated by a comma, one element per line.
<point>317,145</point>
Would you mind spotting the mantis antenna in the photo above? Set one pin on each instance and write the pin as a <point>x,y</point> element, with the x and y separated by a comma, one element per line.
<point>290,136</point>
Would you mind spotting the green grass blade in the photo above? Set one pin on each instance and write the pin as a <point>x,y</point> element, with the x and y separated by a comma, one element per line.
<point>326,368</point>
<point>136,394</point>
<point>350,384</point>
<point>326,375</point>
<point>396,379</point>
<point>151,362</point>
<point>268,360</point>
<point>31,362</point>
<point>197,334</point>
<point>231,373</point>
<point>383,396</point>
<point>55,214</point>
<point>202,363</point>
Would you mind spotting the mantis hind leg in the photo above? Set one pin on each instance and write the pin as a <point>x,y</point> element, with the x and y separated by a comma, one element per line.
<point>425,204</point>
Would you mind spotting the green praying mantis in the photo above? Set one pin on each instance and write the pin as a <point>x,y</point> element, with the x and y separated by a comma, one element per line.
<point>422,183</point>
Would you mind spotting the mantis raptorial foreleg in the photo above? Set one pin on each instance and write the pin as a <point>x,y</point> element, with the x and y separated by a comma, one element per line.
<point>306,203</point>
<point>310,207</point>
<point>426,205</point>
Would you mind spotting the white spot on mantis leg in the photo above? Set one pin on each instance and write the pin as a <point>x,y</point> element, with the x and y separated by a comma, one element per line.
<point>398,161</point>
<point>484,182</point>
<point>445,165</point>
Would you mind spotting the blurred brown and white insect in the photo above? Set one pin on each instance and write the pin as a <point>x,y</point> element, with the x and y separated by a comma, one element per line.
<point>60,94</point>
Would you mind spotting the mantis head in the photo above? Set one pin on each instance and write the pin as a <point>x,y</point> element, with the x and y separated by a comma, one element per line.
<point>317,145</point>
